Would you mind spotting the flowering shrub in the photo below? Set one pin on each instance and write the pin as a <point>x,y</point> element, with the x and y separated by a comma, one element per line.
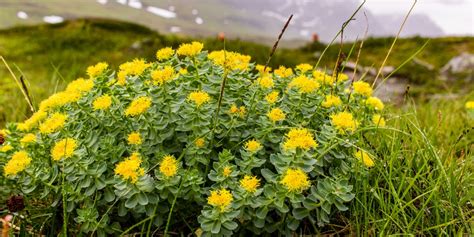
<point>205,136</point>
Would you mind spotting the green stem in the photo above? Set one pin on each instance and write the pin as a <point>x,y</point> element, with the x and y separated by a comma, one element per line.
<point>174,202</point>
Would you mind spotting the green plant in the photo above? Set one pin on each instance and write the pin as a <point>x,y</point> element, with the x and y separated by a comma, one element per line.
<point>271,151</point>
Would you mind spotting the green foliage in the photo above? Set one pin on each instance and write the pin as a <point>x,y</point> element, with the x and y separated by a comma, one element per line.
<point>258,175</point>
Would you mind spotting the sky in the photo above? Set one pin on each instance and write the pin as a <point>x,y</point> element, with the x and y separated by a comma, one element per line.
<point>455,17</point>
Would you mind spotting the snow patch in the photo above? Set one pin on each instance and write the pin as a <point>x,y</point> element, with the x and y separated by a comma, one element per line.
<point>103,2</point>
<point>22,15</point>
<point>175,29</point>
<point>161,12</point>
<point>53,19</point>
<point>199,20</point>
<point>135,4</point>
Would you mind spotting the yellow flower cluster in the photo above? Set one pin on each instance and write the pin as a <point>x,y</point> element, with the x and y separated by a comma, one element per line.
<point>265,82</point>
<point>55,122</point>
<point>19,161</point>
<point>331,101</point>
<point>344,121</point>
<point>272,97</point>
<point>33,121</point>
<point>363,88</point>
<point>295,180</point>
<point>134,68</point>
<point>130,168</point>
<point>162,76</point>
<point>378,120</point>
<point>64,149</point>
<point>260,69</point>
<point>304,84</point>
<point>282,71</point>
<point>238,110</point>
<point>250,183</point>
<point>134,138</point>
<point>375,103</point>
<point>299,138</point>
<point>220,198</point>
<point>199,97</point>
<point>80,85</point>
<point>164,53</point>
<point>96,70</point>
<point>253,146</point>
<point>304,67</point>
<point>365,158</point>
<point>230,60</point>
<point>6,148</point>
<point>169,166</point>
<point>227,171</point>
<point>138,106</point>
<point>102,102</point>
<point>323,78</point>
<point>28,138</point>
<point>200,142</point>
<point>276,115</point>
<point>470,105</point>
<point>190,49</point>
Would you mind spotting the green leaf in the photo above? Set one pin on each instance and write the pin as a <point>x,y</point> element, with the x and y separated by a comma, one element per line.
<point>230,225</point>
<point>216,227</point>
<point>131,202</point>
<point>262,212</point>
<point>142,199</point>
<point>300,213</point>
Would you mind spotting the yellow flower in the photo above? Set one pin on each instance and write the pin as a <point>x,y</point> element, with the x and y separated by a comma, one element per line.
<point>375,102</point>
<point>344,121</point>
<point>162,76</point>
<point>272,97</point>
<point>304,67</point>
<point>265,82</point>
<point>169,166</point>
<point>199,97</point>
<point>96,70</point>
<point>200,142</point>
<point>19,161</point>
<point>138,106</point>
<point>250,183</point>
<point>241,111</point>
<point>304,84</point>
<point>230,60</point>
<point>135,68</point>
<point>365,158</point>
<point>299,138</point>
<point>276,114</point>
<point>28,138</point>
<point>220,198</point>
<point>183,71</point>
<point>59,99</point>
<point>134,138</point>
<point>378,120</point>
<point>283,71</point>
<point>6,148</point>
<point>164,53</point>
<point>227,171</point>
<point>3,133</point>
<point>331,101</point>
<point>323,77</point>
<point>260,69</point>
<point>33,121</point>
<point>342,77</point>
<point>470,105</point>
<point>55,122</point>
<point>102,102</point>
<point>63,149</point>
<point>363,88</point>
<point>295,180</point>
<point>253,146</point>
<point>80,85</point>
<point>190,49</point>
<point>130,169</point>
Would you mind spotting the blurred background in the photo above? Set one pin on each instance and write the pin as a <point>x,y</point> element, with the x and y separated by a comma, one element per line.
<point>51,42</point>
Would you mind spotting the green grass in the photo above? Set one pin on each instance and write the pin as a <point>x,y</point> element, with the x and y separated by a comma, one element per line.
<point>423,182</point>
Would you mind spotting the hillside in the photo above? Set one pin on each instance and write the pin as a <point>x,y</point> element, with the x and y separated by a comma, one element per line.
<point>50,55</point>
<point>237,18</point>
